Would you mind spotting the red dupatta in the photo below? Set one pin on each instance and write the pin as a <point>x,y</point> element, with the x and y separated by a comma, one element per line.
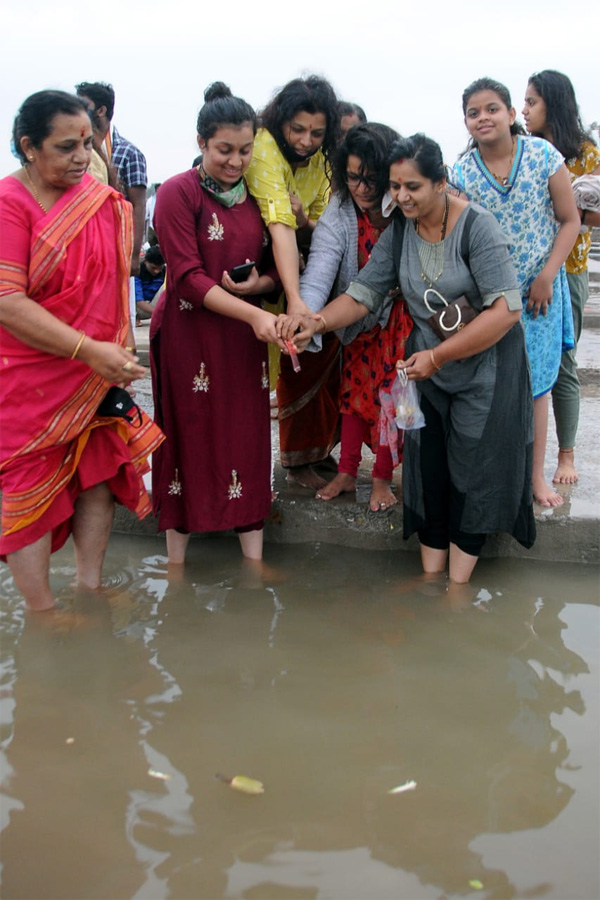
<point>78,269</point>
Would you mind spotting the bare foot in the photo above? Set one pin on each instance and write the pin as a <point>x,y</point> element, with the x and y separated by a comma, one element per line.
<point>545,496</point>
<point>382,496</point>
<point>305,477</point>
<point>566,473</point>
<point>255,573</point>
<point>41,604</point>
<point>341,484</point>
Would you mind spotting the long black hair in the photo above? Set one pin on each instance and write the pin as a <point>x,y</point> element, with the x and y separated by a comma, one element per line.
<point>563,119</point>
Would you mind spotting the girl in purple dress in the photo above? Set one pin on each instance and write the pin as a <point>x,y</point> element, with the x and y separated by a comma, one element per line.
<point>208,341</point>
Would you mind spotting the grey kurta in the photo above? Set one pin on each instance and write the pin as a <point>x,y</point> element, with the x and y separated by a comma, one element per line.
<point>485,400</point>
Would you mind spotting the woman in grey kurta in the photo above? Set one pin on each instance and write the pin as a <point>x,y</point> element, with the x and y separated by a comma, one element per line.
<point>341,245</point>
<point>467,473</point>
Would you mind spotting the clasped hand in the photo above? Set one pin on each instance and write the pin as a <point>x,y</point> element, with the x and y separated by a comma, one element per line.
<point>298,327</point>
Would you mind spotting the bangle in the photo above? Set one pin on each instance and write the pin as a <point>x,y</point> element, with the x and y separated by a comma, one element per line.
<point>78,345</point>
<point>432,357</point>
<point>324,324</point>
<point>583,216</point>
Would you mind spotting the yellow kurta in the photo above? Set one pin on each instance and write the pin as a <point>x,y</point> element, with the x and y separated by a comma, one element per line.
<point>270,180</point>
<point>585,164</point>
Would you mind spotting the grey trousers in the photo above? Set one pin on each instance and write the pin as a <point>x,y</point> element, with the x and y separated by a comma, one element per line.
<point>565,393</point>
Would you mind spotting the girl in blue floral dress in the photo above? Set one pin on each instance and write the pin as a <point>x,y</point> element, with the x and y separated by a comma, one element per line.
<point>524,182</point>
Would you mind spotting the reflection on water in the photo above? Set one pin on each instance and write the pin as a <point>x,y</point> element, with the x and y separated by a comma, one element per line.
<point>343,679</point>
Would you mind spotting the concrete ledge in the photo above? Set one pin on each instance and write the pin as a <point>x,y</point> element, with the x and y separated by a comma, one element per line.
<point>346,522</point>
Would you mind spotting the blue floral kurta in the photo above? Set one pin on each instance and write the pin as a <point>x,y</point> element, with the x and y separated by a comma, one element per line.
<point>526,215</point>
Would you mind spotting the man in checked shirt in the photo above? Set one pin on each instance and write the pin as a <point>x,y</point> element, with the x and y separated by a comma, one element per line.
<point>122,156</point>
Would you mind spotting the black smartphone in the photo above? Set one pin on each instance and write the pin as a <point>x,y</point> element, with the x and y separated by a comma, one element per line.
<point>240,273</point>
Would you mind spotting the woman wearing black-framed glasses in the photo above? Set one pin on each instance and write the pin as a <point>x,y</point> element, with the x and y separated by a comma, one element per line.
<point>341,245</point>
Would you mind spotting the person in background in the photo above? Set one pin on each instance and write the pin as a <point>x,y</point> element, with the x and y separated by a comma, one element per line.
<point>128,162</point>
<point>149,233</point>
<point>207,341</point>
<point>64,336</point>
<point>551,112</point>
<point>525,184</point>
<point>350,114</point>
<point>289,179</point>
<point>467,472</point>
<point>148,283</point>
<point>342,244</point>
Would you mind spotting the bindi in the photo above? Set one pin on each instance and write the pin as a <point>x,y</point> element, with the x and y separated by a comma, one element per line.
<point>82,132</point>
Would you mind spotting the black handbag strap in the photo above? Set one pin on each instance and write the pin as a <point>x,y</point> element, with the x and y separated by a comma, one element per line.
<point>465,243</point>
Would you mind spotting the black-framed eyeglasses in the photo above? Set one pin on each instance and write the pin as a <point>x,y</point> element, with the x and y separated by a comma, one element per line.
<point>353,179</point>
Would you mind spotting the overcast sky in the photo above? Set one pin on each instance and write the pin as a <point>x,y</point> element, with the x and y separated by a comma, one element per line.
<point>405,63</point>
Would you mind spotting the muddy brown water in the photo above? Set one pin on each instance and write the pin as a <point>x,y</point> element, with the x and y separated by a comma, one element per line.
<point>342,678</point>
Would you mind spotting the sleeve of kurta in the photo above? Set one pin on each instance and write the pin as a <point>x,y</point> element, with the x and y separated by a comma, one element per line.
<point>381,273</point>
<point>16,238</point>
<point>490,263</point>
<point>175,220</point>
<point>327,249</point>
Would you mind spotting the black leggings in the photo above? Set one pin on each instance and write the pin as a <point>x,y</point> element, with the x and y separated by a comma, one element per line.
<point>443,503</point>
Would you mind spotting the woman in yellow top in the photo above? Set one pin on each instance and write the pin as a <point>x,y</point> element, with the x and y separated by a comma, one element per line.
<point>551,112</point>
<point>289,179</point>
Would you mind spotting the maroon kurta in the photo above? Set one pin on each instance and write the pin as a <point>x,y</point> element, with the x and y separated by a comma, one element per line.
<point>210,373</point>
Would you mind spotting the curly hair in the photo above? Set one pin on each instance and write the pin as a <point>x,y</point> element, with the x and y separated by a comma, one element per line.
<point>312,95</point>
<point>371,142</point>
<point>100,93</point>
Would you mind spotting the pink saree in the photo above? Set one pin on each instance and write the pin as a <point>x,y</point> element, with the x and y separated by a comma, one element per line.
<point>73,261</point>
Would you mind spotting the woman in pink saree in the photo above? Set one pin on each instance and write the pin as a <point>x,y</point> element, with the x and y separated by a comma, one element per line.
<point>64,331</point>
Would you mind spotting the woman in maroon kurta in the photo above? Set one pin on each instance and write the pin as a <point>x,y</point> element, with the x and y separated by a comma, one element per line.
<point>209,359</point>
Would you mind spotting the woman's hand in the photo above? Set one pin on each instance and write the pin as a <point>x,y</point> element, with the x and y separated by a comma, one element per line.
<point>263,324</point>
<point>540,295</point>
<point>288,324</point>
<point>420,365</point>
<point>308,327</point>
<point>241,288</point>
<point>298,210</point>
<point>112,361</point>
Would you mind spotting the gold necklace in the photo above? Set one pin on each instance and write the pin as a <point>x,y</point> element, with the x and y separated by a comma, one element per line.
<point>506,180</point>
<point>34,189</point>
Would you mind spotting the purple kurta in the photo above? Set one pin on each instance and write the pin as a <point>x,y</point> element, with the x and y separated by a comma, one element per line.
<point>209,372</point>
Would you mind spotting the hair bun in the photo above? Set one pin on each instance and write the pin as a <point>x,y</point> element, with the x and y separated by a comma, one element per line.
<point>216,91</point>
